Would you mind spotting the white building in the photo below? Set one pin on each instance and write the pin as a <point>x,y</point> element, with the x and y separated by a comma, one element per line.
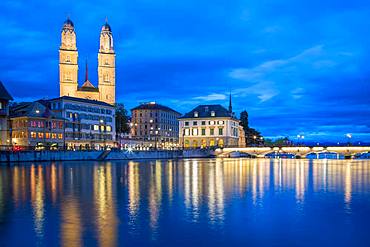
<point>209,126</point>
<point>90,124</point>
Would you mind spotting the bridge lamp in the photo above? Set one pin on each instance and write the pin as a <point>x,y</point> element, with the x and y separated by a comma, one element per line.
<point>349,136</point>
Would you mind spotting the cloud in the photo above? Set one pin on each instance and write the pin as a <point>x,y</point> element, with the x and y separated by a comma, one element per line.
<point>211,97</point>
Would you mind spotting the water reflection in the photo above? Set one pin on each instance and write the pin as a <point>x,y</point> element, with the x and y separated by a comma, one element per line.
<point>98,201</point>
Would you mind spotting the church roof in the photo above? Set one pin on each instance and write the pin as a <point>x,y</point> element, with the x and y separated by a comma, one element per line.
<point>4,94</point>
<point>88,87</point>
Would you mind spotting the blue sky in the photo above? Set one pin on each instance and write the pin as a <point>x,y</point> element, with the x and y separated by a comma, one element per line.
<point>297,67</point>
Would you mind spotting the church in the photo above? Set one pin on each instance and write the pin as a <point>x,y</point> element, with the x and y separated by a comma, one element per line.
<point>68,67</point>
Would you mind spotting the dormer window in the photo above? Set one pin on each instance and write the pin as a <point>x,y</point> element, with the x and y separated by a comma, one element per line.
<point>213,113</point>
<point>196,114</point>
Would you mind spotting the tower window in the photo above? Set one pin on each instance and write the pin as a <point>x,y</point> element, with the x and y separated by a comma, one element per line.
<point>68,59</point>
<point>106,77</point>
<point>106,62</point>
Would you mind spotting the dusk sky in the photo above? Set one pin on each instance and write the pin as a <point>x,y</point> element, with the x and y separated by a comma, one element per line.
<point>297,67</point>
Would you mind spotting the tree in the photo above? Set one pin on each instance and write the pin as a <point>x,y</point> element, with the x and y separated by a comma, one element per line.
<point>122,125</point>
<point>244,120</point>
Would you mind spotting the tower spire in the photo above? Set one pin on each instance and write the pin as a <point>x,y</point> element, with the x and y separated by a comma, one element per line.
<point>87,72</point>
<point>230,104</point>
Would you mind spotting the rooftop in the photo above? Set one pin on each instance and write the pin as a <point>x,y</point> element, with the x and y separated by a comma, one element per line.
<point>205,111</point>
<point>153,106</point>
<point>88,101</point>
<point>4,94</point>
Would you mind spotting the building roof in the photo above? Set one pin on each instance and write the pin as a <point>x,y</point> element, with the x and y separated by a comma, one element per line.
<point>88,86</point>
<point>204,111</point>
<point>153,106</point>
<point>88,101</point>
<point>32,109</point>
<point>4,94</point>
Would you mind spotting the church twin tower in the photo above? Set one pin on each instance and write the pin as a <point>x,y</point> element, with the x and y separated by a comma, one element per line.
<point>68,67</point>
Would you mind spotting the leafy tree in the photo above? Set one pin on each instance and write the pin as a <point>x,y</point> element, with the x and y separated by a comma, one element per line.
<point>122,125</point>
<point>244,120</point>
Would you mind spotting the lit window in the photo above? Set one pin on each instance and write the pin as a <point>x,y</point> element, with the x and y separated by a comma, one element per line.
<point>220,122</point>
<point>195,132</point>
<point>54,135</point>
<point>96,127</point>
<point>109,128</point>
<point>195,114</point>
<point>187,132</point>
<point>60,136</point>
<point>41,135</point>
<point>213,113</point>
<point>211,122</point>
<point>47,135</point>
<point>33,135</point>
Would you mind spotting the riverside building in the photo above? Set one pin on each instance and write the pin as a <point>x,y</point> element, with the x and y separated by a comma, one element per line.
<point>90,124</point>
<point>35,126</point>
<point>210,126</point>
<point>5,97</point>
<point>154,126</point>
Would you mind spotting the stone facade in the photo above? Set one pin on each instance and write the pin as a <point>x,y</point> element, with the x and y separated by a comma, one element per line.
<point>209,126</point>
<point>68,67</point>
<point>89,124</point>
<point>155,125</point>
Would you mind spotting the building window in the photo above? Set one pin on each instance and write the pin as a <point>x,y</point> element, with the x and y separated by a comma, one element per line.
<point>195,114</point>
<point>60,136</point>
<point>186,132</point>
<point>220,131</point>
<point>212,132</point>
<point>195,123</point>
<point>203,122</point>
<point>220,122</point>
<point>54,136</point>
<point>33,135</point>
<point>106,77</point>
<point>186,123</point>
<point>203,132</point>
<point>213,113</point>
<point>211,122</point>
<point>47,135</point>
<point>109,128</point>
<point>195,132</point>
<point>40,135</point>
<point>96,127</point>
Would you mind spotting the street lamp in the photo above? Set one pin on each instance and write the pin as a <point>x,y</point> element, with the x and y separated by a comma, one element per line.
<point>349,136</point>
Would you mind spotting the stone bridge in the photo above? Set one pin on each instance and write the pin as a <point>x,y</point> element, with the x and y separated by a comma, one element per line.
<point>298,152</point>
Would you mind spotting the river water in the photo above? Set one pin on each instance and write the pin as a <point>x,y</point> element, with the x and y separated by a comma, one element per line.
<point>195,202</point>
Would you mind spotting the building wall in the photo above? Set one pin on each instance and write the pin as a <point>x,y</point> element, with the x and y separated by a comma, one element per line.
<point>4,123</point>
<point>88,125</point>
<point>209,132</point>
<point>158,125</point>
<point>32,132</point>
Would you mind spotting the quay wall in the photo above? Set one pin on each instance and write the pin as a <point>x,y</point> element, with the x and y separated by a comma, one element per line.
<point>30,156</point>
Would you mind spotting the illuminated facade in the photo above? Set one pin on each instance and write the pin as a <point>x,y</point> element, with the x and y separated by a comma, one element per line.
<point>209,126</point>
<point>90,124</point>
<point>35,126</point>
<point>155,124</point>
<point>68,67</point>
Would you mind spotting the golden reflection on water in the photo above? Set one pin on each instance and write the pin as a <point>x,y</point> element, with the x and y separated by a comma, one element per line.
<point>105,209</point>
<point>71,226</point>
<point>203,184</point>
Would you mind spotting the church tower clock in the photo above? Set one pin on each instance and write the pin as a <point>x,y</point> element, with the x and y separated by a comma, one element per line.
<point>68,56</point>
<point>106,66</point>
